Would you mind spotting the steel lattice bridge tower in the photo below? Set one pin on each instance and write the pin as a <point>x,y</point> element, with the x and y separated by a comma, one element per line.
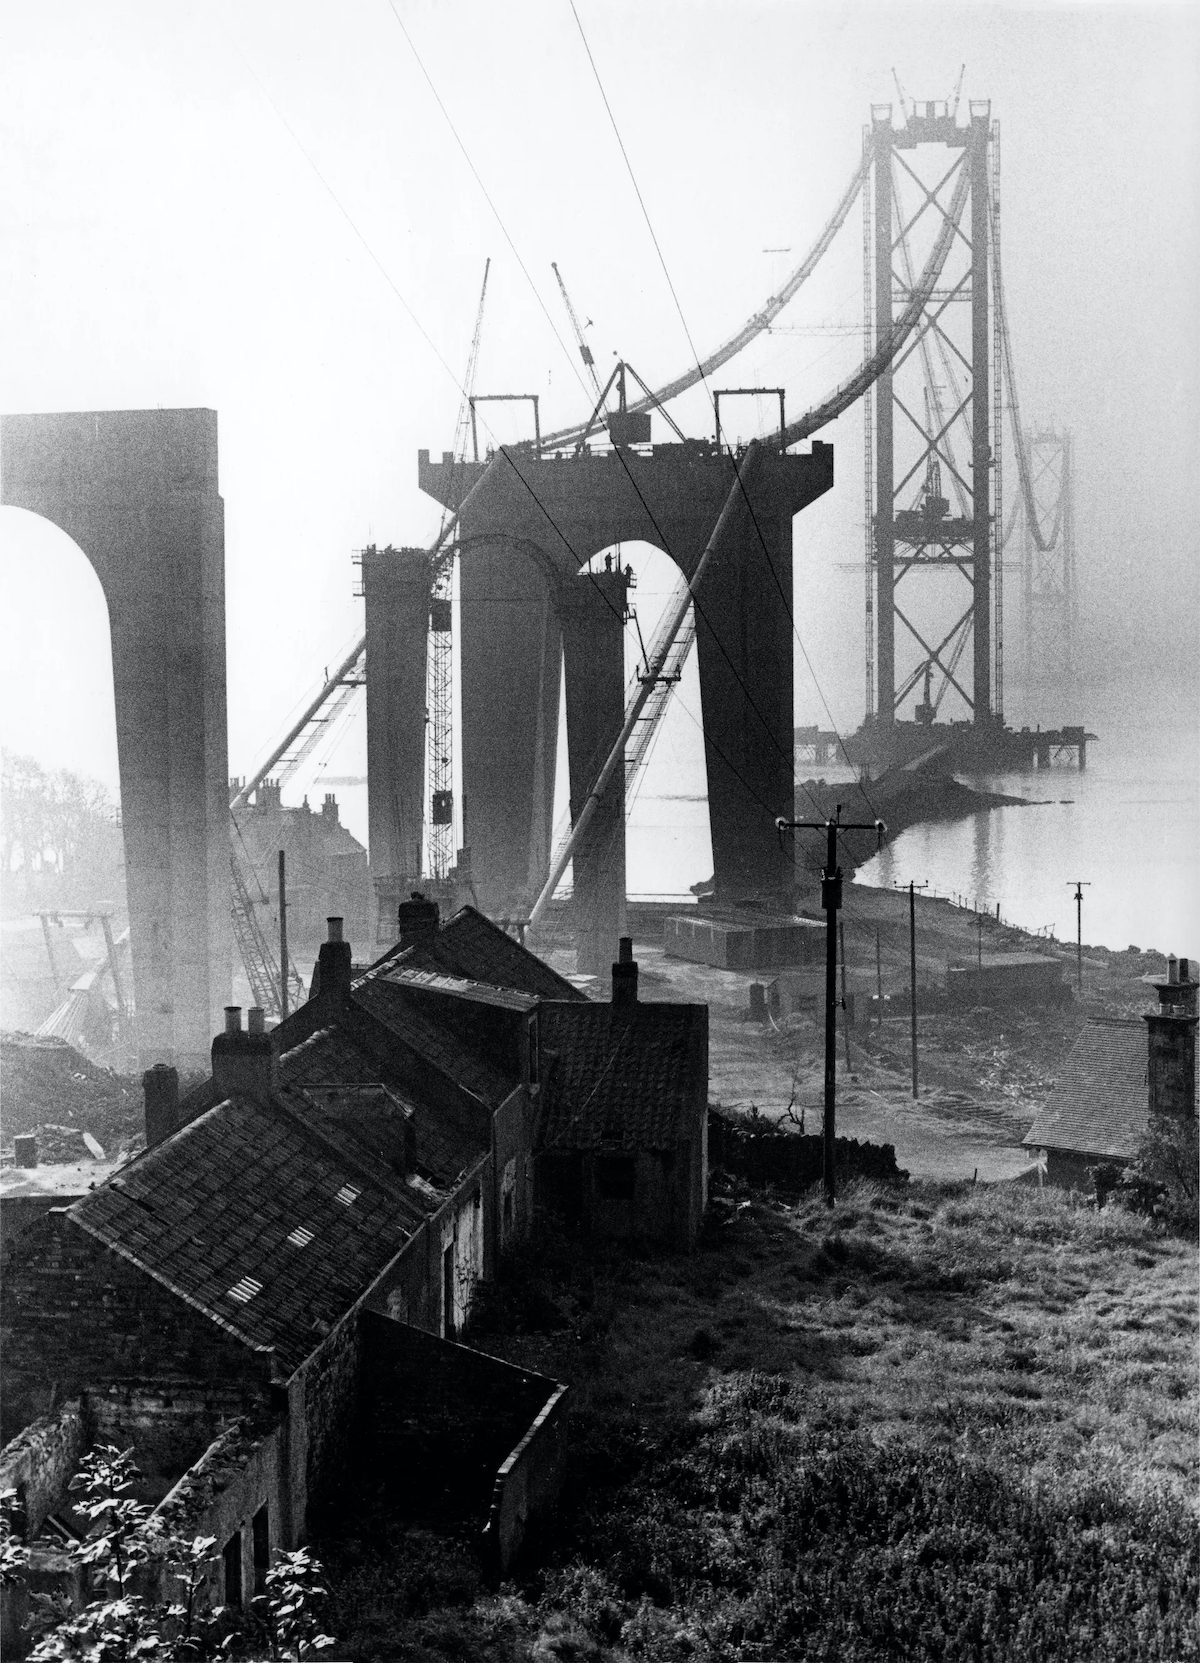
<point>1049,608</point>
<point>932,476</point>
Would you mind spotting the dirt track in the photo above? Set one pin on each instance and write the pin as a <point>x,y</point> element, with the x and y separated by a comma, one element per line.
<point>981,1075</point>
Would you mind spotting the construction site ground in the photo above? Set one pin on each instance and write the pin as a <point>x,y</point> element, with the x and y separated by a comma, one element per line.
<point>982,1074</point>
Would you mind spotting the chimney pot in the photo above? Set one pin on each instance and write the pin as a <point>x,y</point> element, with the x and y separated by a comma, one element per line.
<point>1172,970</point>
<point>256,1020</point>
<point>233,1019</point>
<point>1185,970</point>
<point>335,929</point>
<point>625,950</point>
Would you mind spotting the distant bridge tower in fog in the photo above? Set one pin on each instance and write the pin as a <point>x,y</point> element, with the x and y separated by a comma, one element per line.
<point>1049,606</point>
<point>932,473</point>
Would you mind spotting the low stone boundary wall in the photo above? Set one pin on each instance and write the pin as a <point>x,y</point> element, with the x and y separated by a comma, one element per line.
<point>763,1153</point>
<point>527,1487</point>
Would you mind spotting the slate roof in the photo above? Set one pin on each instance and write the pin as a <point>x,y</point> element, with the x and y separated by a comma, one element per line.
<point>1100,1104</point>
<point>385,1001</point>
<point>269,1230</point>
<point>622,1079</point>
<point>348,1092</point>
<point>470,946</point>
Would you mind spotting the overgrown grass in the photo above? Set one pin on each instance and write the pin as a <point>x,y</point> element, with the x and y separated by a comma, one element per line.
<point>941,1422</point>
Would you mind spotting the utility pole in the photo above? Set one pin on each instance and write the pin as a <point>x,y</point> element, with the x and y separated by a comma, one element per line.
<point>912,972</point>
<point>878,982</point>
<point>1080,885</point>
<point>831,901</point>
<point>845,1011</point>
<point>979,940</point>
<point>283,952</point>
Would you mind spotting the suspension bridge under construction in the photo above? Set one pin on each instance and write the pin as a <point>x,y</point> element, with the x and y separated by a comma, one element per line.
<point>525,585</point>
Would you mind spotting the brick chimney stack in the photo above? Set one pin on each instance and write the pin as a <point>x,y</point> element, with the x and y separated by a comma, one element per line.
<point>625,976</point>
<point>160,1087</point>
<point>1171,1039</point>
<point>244,1062</point>
<point>331,978</point>
<point>417,920</point>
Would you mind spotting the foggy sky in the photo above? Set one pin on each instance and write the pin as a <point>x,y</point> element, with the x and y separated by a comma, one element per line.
<point>246,205</point>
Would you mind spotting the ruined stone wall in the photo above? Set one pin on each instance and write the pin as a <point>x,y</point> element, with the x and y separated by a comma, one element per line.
<point>330,1408</point>
<point>76,1315</point>
<point>40,1460</point>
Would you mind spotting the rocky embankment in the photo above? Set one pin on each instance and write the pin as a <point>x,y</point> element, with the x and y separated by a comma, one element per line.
<point>901,798</point>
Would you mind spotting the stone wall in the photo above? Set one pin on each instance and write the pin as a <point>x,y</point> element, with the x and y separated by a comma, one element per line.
<point>76,1315</point>
<point>439,1420</point>
<point>527,1487</point>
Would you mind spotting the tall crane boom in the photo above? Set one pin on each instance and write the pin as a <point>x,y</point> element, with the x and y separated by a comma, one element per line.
<point>440,691</point>
<point>585,351</point>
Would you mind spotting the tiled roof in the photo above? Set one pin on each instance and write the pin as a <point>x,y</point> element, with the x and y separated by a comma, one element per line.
<point>628,1079</point>
<point>471,946</point>
<point>385,1001</point>
<point>1100,1104</point>
<point>257,1223</point>
<point>342,1083</point>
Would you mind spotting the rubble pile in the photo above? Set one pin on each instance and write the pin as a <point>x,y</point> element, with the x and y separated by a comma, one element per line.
<point>49,1088</point>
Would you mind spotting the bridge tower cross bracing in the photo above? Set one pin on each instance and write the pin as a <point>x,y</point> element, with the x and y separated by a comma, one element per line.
<point>920,411</point>
<point>1049,602</point>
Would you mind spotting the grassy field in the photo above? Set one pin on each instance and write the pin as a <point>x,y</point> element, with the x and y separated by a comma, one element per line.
<point>940,1422</point>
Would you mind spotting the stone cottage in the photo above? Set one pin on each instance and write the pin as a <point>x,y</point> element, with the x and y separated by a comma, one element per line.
<point>1118,1075</point>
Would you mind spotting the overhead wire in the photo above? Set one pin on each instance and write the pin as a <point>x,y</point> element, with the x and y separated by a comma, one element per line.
<point>789,610</point>
<point>361,238</point>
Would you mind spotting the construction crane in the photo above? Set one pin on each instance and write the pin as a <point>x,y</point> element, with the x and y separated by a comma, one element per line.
<point>585,351</point>
<point>440,687</point>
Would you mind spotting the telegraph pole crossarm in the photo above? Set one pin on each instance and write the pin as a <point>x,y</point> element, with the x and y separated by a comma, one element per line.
<point>831,901</point>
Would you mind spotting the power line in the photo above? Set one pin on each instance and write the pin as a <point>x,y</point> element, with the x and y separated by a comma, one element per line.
<point>641,200</point>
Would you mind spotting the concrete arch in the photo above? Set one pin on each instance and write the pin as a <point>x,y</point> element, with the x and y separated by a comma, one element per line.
<point>136,490</point>
<point>574,508</point>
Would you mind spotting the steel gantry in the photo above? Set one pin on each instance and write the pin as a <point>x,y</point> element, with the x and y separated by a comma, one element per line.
<point>932,488</point>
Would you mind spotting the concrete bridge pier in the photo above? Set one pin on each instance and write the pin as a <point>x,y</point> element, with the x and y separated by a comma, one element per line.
<point>511,655</point>
<point>592,608</point>
<point>396,586</point>
<point>137,492</point>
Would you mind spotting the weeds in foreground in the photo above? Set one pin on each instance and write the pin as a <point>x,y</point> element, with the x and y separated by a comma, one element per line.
<point>938,1422</point>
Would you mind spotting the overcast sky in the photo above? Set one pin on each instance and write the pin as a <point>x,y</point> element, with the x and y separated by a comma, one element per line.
<point>260,207</point>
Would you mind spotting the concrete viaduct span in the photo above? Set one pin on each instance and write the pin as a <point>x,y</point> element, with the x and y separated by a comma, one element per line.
<point>525,534</point>
<point>137,492</point>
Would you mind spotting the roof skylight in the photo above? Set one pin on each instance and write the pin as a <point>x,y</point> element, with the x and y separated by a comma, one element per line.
<point>245,1290</point>
<point>348,1195</point>
<point>300,1236</point>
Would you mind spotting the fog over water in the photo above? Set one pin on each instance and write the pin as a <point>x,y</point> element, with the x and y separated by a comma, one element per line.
<point>260,207</point>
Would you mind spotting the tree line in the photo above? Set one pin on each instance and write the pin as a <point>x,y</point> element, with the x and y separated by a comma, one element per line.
<point>60,838</point>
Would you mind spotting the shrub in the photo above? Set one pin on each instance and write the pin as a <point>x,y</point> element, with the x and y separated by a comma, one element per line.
<point>1165,1177</point>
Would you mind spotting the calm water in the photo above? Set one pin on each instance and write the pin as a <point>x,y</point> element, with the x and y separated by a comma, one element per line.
<point>1129,826</point>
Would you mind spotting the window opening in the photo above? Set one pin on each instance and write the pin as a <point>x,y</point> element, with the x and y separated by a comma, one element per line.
<point>262,1547</point>
<point>231,1559</point>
